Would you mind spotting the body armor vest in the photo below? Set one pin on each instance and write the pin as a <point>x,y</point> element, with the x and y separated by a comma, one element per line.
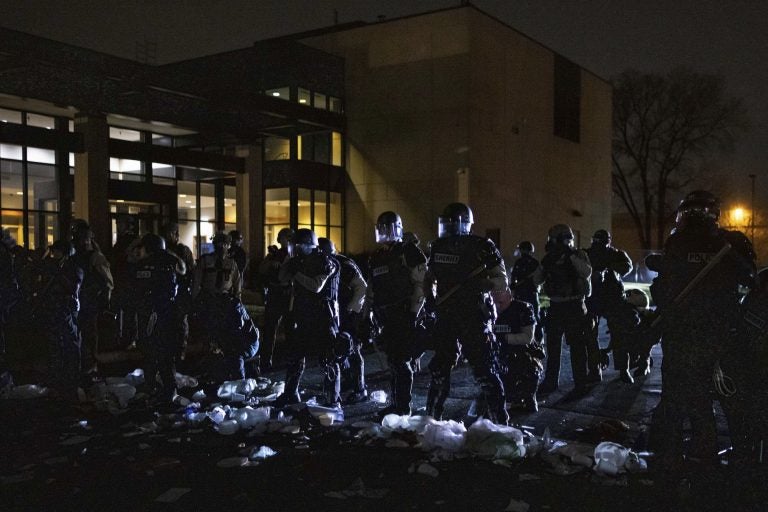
<point>156,280</point>
<point>561,278</point>
<point>217,273</point>
<point>453,259</point>
<point>391,274</point>
<point>312,265</point>
<point>348,271</point>
<point>514,318</point>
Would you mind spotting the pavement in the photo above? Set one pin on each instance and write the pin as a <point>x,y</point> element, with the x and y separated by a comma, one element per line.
<point>61,456</point>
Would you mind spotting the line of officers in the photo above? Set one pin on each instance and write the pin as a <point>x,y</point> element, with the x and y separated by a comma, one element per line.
<point>456,301</point>
<point>152,288</point>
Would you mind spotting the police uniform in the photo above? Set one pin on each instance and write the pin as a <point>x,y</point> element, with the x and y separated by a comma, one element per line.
<point>94,299</point>
<point>277,296</point>
<point>155,288</point>
<point>521,282</point>
<point>56,306</point>
<point>521,359</point>
<point>565,275</point>
<point>352,289</point>
<point>314,321</point>
<point>695,331</point>
<point>9,291</point>
<point>466,267</point>
<point>396,291</point>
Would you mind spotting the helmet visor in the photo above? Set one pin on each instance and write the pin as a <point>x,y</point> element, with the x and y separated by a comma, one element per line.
<point>386,233</point>
<point>450,226</point>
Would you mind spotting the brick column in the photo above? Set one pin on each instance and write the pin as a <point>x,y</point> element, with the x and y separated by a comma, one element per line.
<point>92,177</point>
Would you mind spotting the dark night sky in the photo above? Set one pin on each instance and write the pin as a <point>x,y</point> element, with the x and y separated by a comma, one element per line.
<point>604,36</point>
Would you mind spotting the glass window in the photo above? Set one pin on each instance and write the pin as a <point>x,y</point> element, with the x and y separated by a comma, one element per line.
<point>300,147</point>
<point>11,152</point>
<point>163,174</point>
<point>11,184</point>
<point>279,92</point>
<point>207,204</point>
<point>334,104</point>
<point>277,214</point>
<point>319,101</point>
<point>315,147</point>
<point>277,148</point>
<point>305,208</point>
<point>43,156</point>
<point>10,116</point>
<point>188,235</point>
<point>336,149</point>
<point>321,219</point>
<point>124,134</point>
<point>42,229</point>
<point>42,191</point>
<point>124,169</point>
<point>336,237</point>
<point>305,97</point>
<point>40,121</point>
<point>335,208</point>
<point>12,220</point>
<point>230,205</point>
<point>158,139</point>
<point>187,200</point>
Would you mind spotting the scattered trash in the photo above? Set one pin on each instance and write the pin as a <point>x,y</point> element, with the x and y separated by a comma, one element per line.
<point>135,378</point>
<point>218,414</point>
<point>261,453</point>
<point>490,441</point>
<point>199,395</point>
<point>427,469</point>
<point>447,435</point>
<point>379,396</point>
<point>26,391</point>
<point>123,393</point>
<point>185,381</point>
<point>227,427</point>
<point>172,495</point>
<point>236,390</point>
<point>248,417</point>
<point>612,459</point>
<point>517,506</point>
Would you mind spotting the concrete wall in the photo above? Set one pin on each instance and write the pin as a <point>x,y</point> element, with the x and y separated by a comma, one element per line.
<point>454,105</point>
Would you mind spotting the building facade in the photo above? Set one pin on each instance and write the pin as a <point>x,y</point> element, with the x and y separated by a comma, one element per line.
<point>324,130</point>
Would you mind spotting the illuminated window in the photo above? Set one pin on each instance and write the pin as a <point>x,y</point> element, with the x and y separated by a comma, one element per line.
<point>277,214</point>
<point>40,121</point>
<point>277,148</point>
<point>158,139</point>
<point>10,116</point>
<point>124,134</point>
<point>163,174</point>
<point>336,149</point>
<point>42,189</point>
<point>11,152</point>
<point>11,184</point>
<point>304,97</point>
<point>230,205</point>
<point>126,170</point>
<point>319,101</point>
<point>282,93</point>
<point>43,156</point>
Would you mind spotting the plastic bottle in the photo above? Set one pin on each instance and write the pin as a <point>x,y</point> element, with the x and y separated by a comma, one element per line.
<point>379,396</point>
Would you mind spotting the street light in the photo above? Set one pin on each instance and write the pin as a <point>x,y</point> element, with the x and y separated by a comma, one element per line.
<point>752,216</point>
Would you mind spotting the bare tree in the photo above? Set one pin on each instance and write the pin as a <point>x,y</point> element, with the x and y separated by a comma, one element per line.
<point>663,125</point>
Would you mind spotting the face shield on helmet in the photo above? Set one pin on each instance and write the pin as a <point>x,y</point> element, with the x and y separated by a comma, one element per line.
<point>698,209</point>
<point>305,241</point>
<point>601,238</point>
<point>389,228</point>
<point>561,235</point>
<point>457,219</point>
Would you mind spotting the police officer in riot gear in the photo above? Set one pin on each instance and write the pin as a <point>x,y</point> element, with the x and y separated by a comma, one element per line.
<point>710,264</point>
<point>154,290</point>
<point>184,280</point>
<point>352,289</point>
<point>56,302</point>
<point>565,272</point>
<point>609,265</point>
<point>9,286</point>
<point>277,294</point>
<point>521,356</point>
<point>396,296</point>
<point>313,325</point>
<point>216,290</point>
<point>467,269</point>
<point>521,280</point>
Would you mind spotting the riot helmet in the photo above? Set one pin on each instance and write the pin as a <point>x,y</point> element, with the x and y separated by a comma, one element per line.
<point>638,298</point>
<point>457,219</point>
<point>77,227</point>
<point>326,245</point>
<point>7,238</point>
<point>411,237</point>
<point>153,243</point>
<point>220,239</point>
<point>285,236</point>
<point>305,241</point>
<point>560,235</point>
<point>237,236</point>
<point>699,209</point>
<point>524,247</point>
<point>601,238</point>
<point>83,237</point>
<point>171,233</point>
<point>64,248</point>
<point>389,228</point>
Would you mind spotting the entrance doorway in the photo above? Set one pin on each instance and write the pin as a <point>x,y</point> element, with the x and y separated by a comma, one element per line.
<point>143,217</point>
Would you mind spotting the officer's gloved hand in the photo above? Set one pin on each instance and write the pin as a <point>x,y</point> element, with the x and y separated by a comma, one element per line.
<point>413,319</point>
